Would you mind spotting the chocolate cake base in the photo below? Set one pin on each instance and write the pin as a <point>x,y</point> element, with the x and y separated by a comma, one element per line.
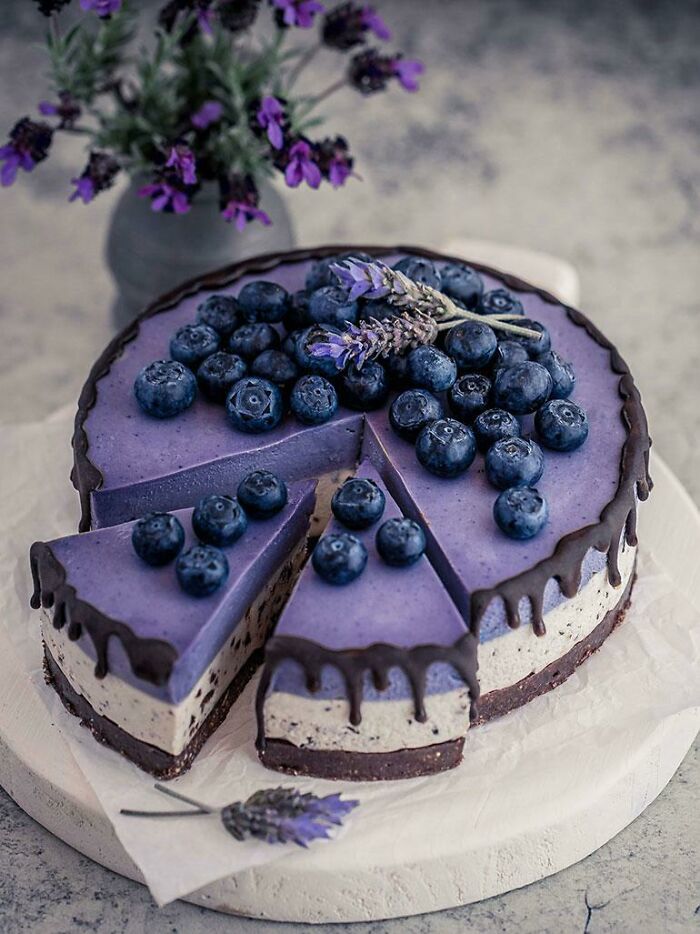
<point>283,756</point>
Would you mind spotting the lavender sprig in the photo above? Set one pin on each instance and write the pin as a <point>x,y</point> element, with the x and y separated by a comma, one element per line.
<point>371,339</point>
<point>274,815</point>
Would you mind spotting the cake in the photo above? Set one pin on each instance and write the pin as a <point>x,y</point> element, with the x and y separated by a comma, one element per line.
<point>381,677</point>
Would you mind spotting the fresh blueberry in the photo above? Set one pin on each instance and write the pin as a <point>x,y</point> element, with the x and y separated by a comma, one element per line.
<point>500,302</point>
<point>201,570</point>
<point>446,447</point>
<point>275,366</point>
<point>358,503</point>
<point>412,410</point>
<point>219,520</point>
<point>533,345</point>
<point>321,366</point>
<point>469,396</point>
<point>320,272</point>
<point>165,388</point>
<point>508,353</point>
<point>514,462</point>
<point>431,368</point>
<point>157,538</point>
<point>262,494</point>
<point>263,301</point>
<point>364,389</point>
<point>520,512</point>
<point>250,340</point>
<point>562,373</point>
<point>463,283</point>
<point>314,399</point>
<point>420,269</point>
<point>330,305</point>
<point>218,373</point>
<point>562,425</point>
<point>492,425</point>
<point>254,405</point>
<point>471,344</point>
<point>396,366</point>
<point>297,315</point>
<point>192,343</point>
<point>522,388</point>
<point>378,308</point>
<point>339,558</point>
<point>220,312</point>
<point>400,542</point>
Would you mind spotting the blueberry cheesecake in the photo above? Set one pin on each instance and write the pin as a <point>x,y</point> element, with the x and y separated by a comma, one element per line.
<point>459,456</point>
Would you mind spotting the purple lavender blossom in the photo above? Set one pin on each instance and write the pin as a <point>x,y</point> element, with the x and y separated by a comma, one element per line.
<point>301,167</point>
<point>101,7</point>
<point>347,25</point>
<point>334,160</point>
<point>299,13</point>
<point>239,202</point>
<point>66,109</point>
<point>362,279</point>
<point>242,213</point>
<point>370,71</point>
<point>407,71</point>
<point>341,348</point>
<point>372,21</point>
<point>165,197</point>
<point>271,117</point>
<point>97,176</point>
<point>210,112</point>
<point>29,144</point>
<point>181,160</point>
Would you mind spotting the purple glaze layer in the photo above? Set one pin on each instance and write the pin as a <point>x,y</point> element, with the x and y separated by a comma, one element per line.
<point>400,606</point>
<point>105,571</point>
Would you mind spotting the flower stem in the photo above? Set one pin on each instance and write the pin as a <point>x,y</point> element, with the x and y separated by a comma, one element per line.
<point>180,797</point>
<point>128,812</point>
<point>331,89</point>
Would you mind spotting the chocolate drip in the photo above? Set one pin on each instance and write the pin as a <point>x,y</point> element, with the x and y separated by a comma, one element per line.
<point>378,659</point>
<point>150,659</point>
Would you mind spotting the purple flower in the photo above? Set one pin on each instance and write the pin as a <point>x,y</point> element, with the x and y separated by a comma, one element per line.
<point>165,197</point>
<point>239,202</point>
<point>301,167</point>
<point>371,72</point>
<point>360,278</point>
<point>97,176</point>
<point>66,109</point>
<point>341,348</point>
<point>101,7</point>
<point>347,25</point>
<point>47,7</point>
<point>29,143</point>
<point>407,71</point>
<point>297,12</point>
<point>372,21</point>
<point>242,213</point>
<point>270,116</point>
<point>334,160</point>
<point>181,160</point>
<point>210,112</point>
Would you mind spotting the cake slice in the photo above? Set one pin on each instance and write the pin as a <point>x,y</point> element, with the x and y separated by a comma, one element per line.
<point>370,680</point>
<point>150,669</point>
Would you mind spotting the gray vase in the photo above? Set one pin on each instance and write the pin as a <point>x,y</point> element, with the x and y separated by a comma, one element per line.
<point>150,253</point>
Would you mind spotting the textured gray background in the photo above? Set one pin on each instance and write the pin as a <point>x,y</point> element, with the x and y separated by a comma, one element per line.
<point>570,127</point>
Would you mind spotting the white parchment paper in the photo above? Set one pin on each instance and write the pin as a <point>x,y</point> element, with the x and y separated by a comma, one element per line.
<point>548,756</point>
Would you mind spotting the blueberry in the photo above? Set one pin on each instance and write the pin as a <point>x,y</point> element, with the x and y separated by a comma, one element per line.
<point>358,503</point>
<point>520,512</point>
<point>254,405</point>
<point>297,315</point>
<point>514,462</point>
<point>262,494</point>
<point>396,366</point>
<point>192,343</point>
<point>533,345</point>
<point>562,425</point>
<point>446,447</point>
<point>201,570</point>
<point>250,340</point>
<point>463,283</point>
<point>469,396</point>
<point>500,302</point>
<point>314,400</point>
<point>320,272</point>
<point>377,308</point>
<point>275,366</point>
<point>219,520</point>
<point>322,366</point>
<point>522,388</point>
<point>263,301</point>
<point>412,410</point>
<point>365,389</point>
<point>562,373</point>
<point>218,373</point>
<point>471,344</point>
<point>157,538</point>
<point>431,368</point>
<point>330,305</point>
<point>492,425</point>
<point>289,344</point>
<point>165,388</point>
<point>220,312</point>
<point>508,353</point>
<point>420,269</point>
<point>339,558</point>
<point>400,542</point>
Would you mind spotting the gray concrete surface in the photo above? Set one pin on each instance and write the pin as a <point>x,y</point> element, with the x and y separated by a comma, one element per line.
<point>567,127</point>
